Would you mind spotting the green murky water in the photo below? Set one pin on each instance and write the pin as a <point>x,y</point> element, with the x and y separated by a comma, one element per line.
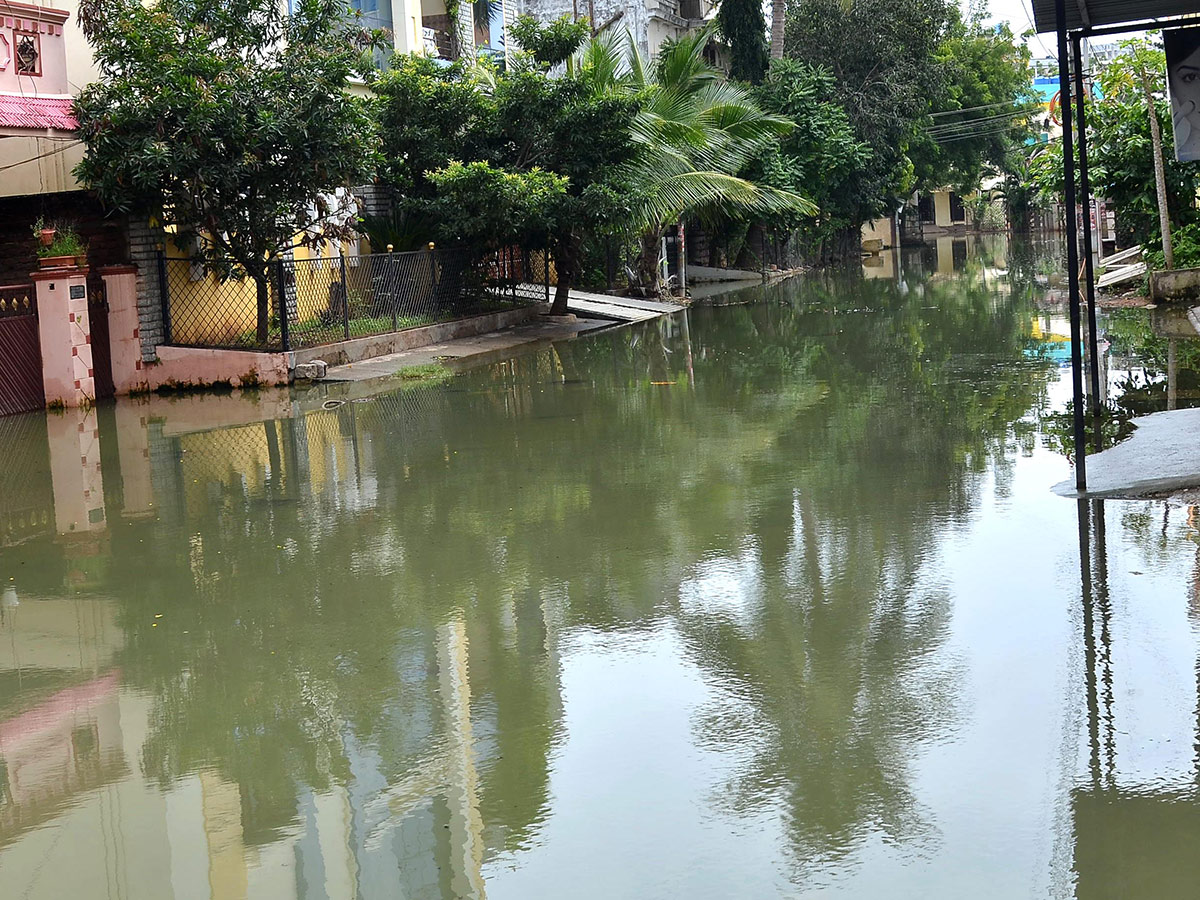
<point>765,601</point>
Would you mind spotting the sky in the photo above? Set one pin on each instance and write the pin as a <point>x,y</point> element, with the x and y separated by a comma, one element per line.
<point>1019,16</point>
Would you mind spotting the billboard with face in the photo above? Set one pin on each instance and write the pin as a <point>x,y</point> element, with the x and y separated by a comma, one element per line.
<point>1182,46</point>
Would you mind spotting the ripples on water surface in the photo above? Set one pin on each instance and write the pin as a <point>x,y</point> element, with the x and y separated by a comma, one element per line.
<point>767,600</point>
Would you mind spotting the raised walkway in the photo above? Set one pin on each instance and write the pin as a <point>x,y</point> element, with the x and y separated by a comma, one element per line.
<point>467,351</point>
<point>1161,457</point>
<point>618,309</point>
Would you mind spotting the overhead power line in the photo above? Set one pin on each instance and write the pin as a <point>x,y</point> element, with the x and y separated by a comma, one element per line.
<point>970,123</point>
<point>950,139</point>
<point>955,112</point>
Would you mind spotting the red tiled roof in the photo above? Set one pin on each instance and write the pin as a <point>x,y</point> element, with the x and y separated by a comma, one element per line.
<point>41,113</point>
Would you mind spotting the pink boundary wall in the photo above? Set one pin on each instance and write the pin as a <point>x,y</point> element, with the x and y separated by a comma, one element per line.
<point>65,336</point>
<point>177,367</point>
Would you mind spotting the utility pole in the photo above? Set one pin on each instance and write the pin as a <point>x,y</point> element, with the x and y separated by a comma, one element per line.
<point>1160,177</point>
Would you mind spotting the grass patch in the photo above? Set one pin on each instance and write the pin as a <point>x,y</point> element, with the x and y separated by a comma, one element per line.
<point>425,372</point>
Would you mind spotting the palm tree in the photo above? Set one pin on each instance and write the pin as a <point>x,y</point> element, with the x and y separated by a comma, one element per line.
<point>697,131</point>
<point>778,17</point>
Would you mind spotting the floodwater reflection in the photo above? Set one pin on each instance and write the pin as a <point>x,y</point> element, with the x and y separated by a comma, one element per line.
<point>754,601</point>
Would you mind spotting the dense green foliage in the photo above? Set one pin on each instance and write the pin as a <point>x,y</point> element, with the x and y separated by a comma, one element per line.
<point>931,99</point>
<point>614,148</point>
<point>549,44</point>
<point>233,124</point>
<point>230,122</point>
<point>1121,156</point>
<point>884,60</point>
<point>821,155</point>
<point>1121,151</point>
<point>744,28</point>
<point>982,109</point>
<point>550,154</point>
<point>484,206</point>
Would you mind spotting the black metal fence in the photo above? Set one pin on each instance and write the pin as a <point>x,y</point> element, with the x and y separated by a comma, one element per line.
<point>323,300</point>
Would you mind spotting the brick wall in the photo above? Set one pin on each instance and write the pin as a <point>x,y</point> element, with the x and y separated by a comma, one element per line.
<point>376,199</point>
<point>145,242</point>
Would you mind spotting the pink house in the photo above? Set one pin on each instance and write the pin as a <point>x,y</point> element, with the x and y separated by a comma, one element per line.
<point>34,92</point>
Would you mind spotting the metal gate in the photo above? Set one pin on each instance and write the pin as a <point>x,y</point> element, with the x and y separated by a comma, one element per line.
<point>20,351</point>
<point>26,488</point>
<point>101,350</point>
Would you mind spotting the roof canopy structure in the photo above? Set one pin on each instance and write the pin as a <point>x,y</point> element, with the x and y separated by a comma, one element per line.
<point>1088,14</point>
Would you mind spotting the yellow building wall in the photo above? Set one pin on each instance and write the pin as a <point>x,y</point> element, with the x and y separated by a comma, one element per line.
<point>941,209</point>
<point>208,311</point>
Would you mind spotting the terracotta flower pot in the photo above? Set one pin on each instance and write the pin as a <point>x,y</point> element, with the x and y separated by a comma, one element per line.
<point>56,262</point>
<point>46,235</point>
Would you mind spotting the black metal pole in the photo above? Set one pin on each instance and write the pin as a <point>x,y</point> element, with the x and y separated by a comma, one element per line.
<point>1085,189</point>
<point>1064,89</point>
<point>345,297</point>
<point>285,338</point>
<point>164,290</point>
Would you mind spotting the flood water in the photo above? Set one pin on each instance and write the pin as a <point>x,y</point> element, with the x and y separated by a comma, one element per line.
<point>770,600</point>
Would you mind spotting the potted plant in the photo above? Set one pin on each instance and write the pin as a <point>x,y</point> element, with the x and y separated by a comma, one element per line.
<point>43,232</point>
<point>66,248</point>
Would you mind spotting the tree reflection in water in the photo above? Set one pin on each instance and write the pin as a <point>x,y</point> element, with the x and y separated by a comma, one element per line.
<point>374,599</point>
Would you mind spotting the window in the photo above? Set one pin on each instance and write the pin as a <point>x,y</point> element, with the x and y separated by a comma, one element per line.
<point>958,212</point>
<point>925,209</point>
<point>29,55</point>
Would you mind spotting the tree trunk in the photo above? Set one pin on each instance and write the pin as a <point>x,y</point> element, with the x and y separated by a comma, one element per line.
<point>778,17</point>
<point>262,289</point>
<point>562,293</point>
<point>1160,176</point>
<point>647,261</point>
<point>566,268</point>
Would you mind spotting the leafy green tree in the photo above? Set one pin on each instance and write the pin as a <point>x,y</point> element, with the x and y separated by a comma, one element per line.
<point>231,122</point>
<point>428,115</point>
<point>1148,188</point>
<point>744,28</point>
<point>1143,65</point>
<point>486,207</point>
<point>934,97</point>
<point>516,123</point>
<point>982,110</point>
<point>821,156</point>
<point>1019,191</point>
<point>696,132</point>
<point>635,145</point>
<point>884,58</point>
<point>551,44</point>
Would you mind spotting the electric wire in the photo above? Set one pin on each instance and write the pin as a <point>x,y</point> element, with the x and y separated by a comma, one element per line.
<point>41,156</point>
<point>967,124</point>
<point>955,112</point>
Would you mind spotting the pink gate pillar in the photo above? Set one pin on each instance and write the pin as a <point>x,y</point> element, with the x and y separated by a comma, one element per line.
<point>124,336</point>
<point>65,335</point>
<point>75,471</point>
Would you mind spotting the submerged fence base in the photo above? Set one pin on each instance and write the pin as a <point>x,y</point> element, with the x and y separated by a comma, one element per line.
<point>358,349</point>
<point>323,300</point>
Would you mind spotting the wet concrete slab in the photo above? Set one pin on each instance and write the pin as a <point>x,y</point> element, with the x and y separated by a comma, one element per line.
<point>468,350</point>
<point>1162,456</point>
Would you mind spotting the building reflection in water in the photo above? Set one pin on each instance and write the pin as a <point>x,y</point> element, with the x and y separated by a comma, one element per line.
<point>146,760</point>
<point>301,648</point>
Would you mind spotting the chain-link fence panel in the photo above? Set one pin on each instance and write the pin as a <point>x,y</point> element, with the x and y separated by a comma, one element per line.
<point>323,300</point>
